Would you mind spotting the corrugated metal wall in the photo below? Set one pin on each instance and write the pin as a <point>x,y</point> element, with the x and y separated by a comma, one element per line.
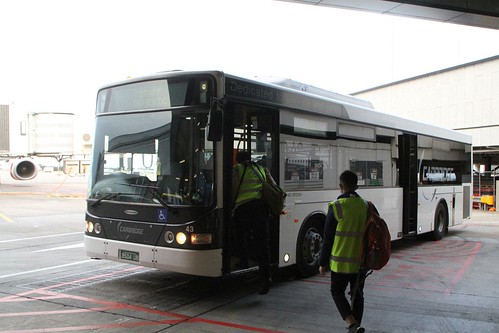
<point>4,129</point>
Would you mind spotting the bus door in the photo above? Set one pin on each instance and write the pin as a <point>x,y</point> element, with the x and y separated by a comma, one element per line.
<point>255,129</point>
<point>453,207</point>
<point>408,175</point>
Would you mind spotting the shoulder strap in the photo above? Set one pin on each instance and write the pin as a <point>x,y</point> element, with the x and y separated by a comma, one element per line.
<point>240,182</point>
<point>257,173</point>
<point>371,209</point>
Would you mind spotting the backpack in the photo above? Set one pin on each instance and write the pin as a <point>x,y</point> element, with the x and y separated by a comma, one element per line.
<point>272,193</point>
<point>376,242</point>
<point>275,196</point>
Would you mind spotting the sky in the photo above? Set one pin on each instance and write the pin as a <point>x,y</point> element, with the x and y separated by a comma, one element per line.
<point>56,54</point>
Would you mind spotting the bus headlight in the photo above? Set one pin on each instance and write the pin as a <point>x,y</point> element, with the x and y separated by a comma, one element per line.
<point>98,228</point>
<point>169,237</point>
<point>181,238</point>
<point>89,226</point>
<point>201,238</point>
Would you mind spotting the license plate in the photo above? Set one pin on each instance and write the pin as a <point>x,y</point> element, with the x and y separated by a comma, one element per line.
<point>128,255</point>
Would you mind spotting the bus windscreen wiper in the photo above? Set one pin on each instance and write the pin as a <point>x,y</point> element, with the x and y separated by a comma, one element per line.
<point>110,195</point>
<point>152,189</point>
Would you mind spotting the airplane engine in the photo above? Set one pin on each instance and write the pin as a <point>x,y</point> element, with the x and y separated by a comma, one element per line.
<point>23,169</point>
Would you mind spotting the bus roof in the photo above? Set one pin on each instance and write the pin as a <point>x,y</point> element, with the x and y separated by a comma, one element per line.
<point>316,100</point>
<point>299,96</point>
<point>296,85</point>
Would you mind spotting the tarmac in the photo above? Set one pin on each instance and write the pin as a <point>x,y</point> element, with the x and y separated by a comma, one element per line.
<point>443,286</point>
<point>55,183</point>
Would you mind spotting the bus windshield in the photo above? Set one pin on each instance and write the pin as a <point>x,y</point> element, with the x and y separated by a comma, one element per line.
<point>153,157</point>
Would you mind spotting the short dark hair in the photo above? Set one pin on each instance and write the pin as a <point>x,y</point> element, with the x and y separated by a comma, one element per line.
<point>349,179</point>
<point>243,156</point>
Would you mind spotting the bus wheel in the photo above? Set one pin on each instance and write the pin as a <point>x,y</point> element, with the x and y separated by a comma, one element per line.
<point>309,249</point>
<point>440,224</point>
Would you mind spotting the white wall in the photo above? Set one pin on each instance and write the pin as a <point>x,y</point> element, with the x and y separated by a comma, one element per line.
<point>463,97</point>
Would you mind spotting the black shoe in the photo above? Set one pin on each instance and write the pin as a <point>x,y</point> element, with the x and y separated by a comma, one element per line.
<point>265,286</point>
<point>356,328</point>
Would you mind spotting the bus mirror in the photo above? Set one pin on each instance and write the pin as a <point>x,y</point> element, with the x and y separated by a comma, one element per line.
<point>215,123</point>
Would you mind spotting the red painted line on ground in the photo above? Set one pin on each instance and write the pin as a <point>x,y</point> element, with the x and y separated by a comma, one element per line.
<point>95,277</point>
<point>24,298</point>
<point>47,294</point>
<point>95,327</point>
<point>21,296</point>
<point>38,313</point>
<point>317,279</point>
<point>232,325</point>
<point>317,282</point>
<point>463,268</point>
<point>117,305</point>
<point>424,273</point>
<point>181,318</point>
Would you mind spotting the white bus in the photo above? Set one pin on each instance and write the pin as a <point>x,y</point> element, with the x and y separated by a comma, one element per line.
<point>160,189</point>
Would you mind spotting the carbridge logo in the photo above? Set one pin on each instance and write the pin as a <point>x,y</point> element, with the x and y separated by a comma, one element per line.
<point>124,232</point>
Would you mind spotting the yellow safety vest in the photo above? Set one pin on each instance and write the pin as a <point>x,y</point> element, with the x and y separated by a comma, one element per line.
<point>351,214</point>
<point>250,187</point>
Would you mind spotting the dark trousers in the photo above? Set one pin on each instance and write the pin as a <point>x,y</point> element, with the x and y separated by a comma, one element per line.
<point>252,218</point>
<point>339,283</point>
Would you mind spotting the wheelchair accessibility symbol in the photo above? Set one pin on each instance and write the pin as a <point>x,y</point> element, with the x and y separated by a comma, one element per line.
<point>162,215</point>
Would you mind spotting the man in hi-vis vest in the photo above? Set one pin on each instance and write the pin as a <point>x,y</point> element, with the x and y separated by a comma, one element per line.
<point>252,214</point>
<point>341,250</point>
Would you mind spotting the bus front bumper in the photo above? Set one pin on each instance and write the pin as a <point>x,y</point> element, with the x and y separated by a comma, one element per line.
<point>195,262</point>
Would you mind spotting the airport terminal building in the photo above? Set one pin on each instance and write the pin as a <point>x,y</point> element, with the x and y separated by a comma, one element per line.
<point>463,98</point>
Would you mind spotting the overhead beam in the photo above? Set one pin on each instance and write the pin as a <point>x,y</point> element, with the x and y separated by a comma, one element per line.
<point>478,13</point>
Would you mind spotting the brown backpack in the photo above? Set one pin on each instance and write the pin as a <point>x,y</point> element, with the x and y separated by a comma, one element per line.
<point>376,243</point>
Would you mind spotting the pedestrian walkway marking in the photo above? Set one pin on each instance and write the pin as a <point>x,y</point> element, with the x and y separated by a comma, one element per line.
<point>464,268</point>
<point>423,267</point>
<point>101,313</point>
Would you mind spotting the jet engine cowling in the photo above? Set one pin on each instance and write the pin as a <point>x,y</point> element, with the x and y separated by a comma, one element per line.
<point>23,169</point>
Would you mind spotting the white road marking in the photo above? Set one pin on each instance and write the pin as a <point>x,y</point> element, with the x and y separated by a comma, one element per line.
<point>73,246</point>
<point>40,237</point>
<point>45,269</point>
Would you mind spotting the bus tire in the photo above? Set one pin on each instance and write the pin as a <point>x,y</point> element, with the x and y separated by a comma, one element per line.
<point>308,248</point>
<point>440,223</point>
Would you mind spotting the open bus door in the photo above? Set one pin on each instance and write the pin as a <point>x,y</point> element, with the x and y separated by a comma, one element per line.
<point>408,177</point>
<point>255,129</point>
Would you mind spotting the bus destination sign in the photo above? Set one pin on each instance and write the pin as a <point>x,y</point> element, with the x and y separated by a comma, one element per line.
<point>250,90</point>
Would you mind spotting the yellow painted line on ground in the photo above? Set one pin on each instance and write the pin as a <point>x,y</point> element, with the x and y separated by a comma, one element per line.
<point>6,218</point>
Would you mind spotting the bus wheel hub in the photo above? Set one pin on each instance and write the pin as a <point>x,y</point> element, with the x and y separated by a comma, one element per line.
<point>312,245</point>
